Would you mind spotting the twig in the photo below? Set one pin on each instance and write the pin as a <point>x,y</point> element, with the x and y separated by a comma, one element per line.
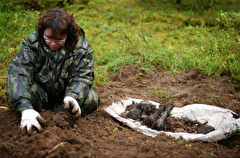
<point>120,76</point>
<point>3,107</point>
<point>175,60</point>
<point>57,146</point>
<point>139,84</point>
<point>129,40</point>
<point>3,77</point>
<point>218,149</point>
<point>144,39</point>
<point>234,48</point>
<point>152,78</point>
<point>142,31</point>
<point>137,49</point>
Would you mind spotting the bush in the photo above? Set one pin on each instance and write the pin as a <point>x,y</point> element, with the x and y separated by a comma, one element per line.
<point>228,20</point>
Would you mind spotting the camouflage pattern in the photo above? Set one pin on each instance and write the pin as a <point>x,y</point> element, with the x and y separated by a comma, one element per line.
<point>41,100</point>
<point>38,76</point>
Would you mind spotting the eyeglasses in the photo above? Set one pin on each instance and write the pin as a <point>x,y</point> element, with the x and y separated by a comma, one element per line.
<point>56,41</point>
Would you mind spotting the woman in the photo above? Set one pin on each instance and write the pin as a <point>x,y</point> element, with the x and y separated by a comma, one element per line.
<point>53,70</point>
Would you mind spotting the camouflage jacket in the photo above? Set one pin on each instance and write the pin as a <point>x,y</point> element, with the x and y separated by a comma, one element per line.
<point>58,72</point>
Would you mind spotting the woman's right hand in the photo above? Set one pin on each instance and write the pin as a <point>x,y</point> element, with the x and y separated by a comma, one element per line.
<point>29,119</point>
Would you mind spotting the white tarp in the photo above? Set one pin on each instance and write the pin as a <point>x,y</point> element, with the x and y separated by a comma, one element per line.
<point>219,118</point>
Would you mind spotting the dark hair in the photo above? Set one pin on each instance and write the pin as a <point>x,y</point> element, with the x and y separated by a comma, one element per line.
<point>61,23</point>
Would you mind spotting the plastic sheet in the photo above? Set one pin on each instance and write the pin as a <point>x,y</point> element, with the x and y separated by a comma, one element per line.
<point>219,118</point>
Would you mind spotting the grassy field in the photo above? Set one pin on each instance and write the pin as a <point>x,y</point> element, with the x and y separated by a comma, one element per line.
<point>195,34</point>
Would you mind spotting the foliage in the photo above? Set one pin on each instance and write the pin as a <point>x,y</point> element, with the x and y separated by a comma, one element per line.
<point>38,4</point>
<point>228,20</point>
<point>147,34</point>
<point>201,5</point>
<point>237,132</point>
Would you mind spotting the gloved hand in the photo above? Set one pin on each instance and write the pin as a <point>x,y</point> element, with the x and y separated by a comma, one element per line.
<point>29,119</point>
<point>71,102</point>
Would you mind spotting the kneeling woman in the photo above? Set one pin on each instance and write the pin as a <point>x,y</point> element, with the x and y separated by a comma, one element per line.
<point>53,70</point>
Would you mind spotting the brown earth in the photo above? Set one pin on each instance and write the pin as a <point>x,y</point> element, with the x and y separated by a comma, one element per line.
<point>99,135</point>
<point>159,118</point>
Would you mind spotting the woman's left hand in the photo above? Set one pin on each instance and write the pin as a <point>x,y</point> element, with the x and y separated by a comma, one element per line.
<point>70,102</point>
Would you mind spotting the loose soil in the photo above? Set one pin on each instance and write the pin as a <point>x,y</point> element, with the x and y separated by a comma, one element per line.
<point>100,135</point>
<point>159,118</point>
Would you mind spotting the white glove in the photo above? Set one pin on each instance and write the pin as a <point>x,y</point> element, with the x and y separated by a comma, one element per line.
<point>71,102</point>
<point>29,119</point>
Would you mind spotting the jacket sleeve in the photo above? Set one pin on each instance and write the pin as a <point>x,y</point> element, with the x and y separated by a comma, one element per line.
<point>19,79</point>
<point>81,74</point>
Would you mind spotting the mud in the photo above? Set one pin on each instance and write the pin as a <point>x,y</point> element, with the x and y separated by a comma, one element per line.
<point>159,119</point>
<point>99,135</point>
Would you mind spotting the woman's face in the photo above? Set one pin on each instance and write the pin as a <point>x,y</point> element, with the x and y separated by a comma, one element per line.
<point>54,44</point>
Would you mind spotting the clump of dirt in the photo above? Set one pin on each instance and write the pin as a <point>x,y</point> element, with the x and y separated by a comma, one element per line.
<point>187,125</point>
<point>159,119</point>
<point>64,119</point>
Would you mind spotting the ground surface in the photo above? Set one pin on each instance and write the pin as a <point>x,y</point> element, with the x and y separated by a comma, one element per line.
<point>99,135</point>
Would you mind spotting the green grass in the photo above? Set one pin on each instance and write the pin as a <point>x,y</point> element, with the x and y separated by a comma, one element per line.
<point>143,33</point>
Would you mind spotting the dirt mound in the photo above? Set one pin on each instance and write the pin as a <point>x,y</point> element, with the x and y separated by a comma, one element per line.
<point>99,135</point>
